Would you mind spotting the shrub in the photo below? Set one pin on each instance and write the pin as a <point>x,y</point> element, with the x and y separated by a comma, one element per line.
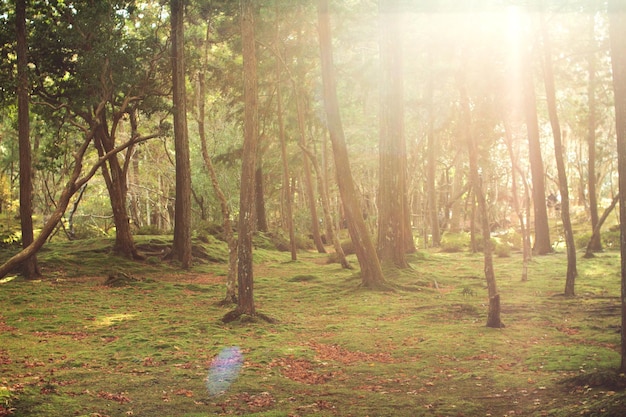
<point>581,240</point>
<point>149,230</point>
<point>454,242</point>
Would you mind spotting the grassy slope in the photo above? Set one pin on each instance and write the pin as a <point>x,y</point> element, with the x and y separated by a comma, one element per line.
<point>72,346</point>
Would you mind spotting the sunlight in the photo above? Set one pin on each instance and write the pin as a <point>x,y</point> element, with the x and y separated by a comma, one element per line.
<point>107,321</point>
<point>514,44</point>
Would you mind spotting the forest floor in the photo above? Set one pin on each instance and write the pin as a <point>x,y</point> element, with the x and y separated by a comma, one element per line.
<point>72,346</point>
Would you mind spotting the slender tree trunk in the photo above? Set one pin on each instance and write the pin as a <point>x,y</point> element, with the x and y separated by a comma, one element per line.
<point>617,36</point>
<point>493,317</point>
<point>371,271</point>
<point>392,149</point>
<point>431,150</point>
<point>245,277</point>
<point>229,236</point>
<point>524,226</point>
<point>341,256</point>
<point>181,247</point>
<point>542,244</point>
<point>306,168</point>
<point>560,164</point>
<point>30,268</point>
<point>285,163</point>
<point>596,244</point>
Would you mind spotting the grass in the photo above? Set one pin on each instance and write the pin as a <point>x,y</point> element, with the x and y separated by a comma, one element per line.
<point>71,346</point>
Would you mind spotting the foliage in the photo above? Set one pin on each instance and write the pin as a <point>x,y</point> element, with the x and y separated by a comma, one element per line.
<point>454,242</point>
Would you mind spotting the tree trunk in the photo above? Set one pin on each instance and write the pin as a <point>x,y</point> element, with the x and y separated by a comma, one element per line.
<point>524,226</point>
<point>259,197</point>
<point>596,243</point>
<point>392,187</point>
<point>560,164</point>
<point>371,271</point>
<point>493,317</point>
<point>617,36</point>
<point>596,230</point>
<point>341,256</point>
<point>115,181</point>
<point>306,168</point>
<point>30,268</point>
<point>245,277</point>
<point>288,216</point>
<point>72,186</point>
<point>181,247</point>
<point>231,241</point>
<point>431,150</point>
<point>542,244</point>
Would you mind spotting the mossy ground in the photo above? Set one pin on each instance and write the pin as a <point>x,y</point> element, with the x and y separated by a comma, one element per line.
<point>72,346</point>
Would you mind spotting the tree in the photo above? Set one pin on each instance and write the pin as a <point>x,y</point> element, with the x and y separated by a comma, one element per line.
<point>493,316</point>
<point>392,188</point>
<point>229,236</point>
<point>596,243</point>
<point>560,165</point>
<point>181,247</point>
<point>371,271</point>
<point>542,244</point>
<point>617,35</point>
<point>245,276</point>
<point>30,268</point>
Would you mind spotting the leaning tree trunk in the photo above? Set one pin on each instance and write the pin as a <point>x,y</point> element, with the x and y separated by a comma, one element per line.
<point>371,271</point>
<point>617,36</point>
<point>30,268</point>
<point>595,235</point>
<point>560,165</point>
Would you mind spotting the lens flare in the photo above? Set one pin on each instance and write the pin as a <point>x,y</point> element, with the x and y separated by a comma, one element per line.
<point>224,370</point>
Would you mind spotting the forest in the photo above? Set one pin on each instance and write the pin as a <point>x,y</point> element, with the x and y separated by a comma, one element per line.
<point>355,207</point>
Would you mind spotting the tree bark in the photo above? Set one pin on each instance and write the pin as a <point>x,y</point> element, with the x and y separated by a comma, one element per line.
<point>392,187</point>
<point>560,164</point>
<point>245,277</point>
<point>259,197</point>
<point>181,246</point>
<point>29,268</point>
<point>542,244</point>
<point>617,37</point>
<point>371,271</point>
